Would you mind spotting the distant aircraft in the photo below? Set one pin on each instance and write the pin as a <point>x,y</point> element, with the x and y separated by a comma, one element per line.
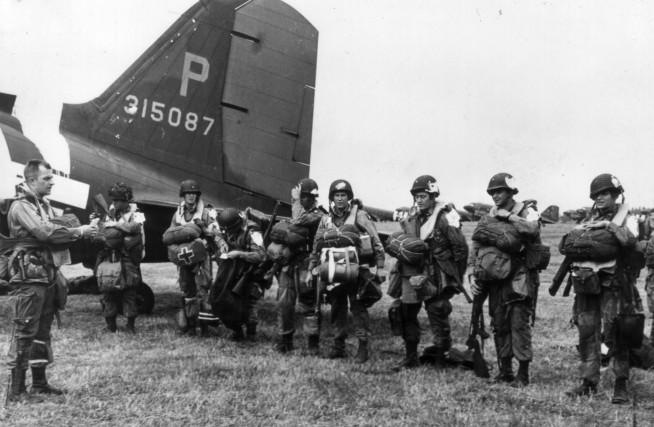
<point>550,215</point>
<point>576,215</point>
<point>477,210</point>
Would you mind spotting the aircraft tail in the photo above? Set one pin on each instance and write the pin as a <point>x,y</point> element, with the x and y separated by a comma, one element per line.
<point>550,215</point>
<point>225,95</point>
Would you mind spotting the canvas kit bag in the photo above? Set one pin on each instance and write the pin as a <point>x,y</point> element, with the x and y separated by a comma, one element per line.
<point>492,264</point>
<point>186,254</point>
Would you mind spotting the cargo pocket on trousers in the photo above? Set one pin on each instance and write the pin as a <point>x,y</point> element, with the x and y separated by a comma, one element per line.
<point>24,307</point>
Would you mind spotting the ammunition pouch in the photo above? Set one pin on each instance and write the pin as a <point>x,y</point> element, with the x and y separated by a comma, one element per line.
<point>630,329</point>
<point>537,256</point>
<point>369,289</point>
<point>394,283</point>
<point>28,266</point>
<point>585,281</point>
<point>492,264</point>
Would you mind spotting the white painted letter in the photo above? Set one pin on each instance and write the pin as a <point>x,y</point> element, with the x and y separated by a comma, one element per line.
<point>187,74</point>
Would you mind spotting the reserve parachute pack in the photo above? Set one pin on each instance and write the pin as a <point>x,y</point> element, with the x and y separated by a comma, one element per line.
<point>340,237</point>
<point>187,254</point>
<point>597,244</point>
<point>491,231</point>
<point>593,244</point>
<point>178,234</point>
<point>291,235</point>
<point>407,249</point>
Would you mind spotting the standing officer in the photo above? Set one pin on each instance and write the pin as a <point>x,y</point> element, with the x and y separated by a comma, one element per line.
<point>34,270</point>
<point>305,213</point>
<point>195,279</point>
<point>240,240</point>
<point>615,293</point>
<point>444,264</point>
<point>343,212</point>
<point>125,217</point>
<point>511,299</point>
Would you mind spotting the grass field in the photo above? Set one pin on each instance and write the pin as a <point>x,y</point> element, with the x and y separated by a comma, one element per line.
<point>158,378</point>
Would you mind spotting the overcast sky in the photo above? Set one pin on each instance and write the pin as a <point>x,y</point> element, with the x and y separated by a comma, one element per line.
<point>552,92</point>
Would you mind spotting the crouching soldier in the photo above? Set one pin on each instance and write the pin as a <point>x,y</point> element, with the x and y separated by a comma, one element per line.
<point>241,251</point>
<point>34,270</point>
<point>291,272</point>
<point>344,212</point>
<point>124,249</point>
<point>435,276</point>
<point>512,287</point>
<point>605,292</point>
<point>194,278</point>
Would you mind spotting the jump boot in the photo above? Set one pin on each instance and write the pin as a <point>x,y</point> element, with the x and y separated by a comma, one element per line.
<point>522,379</point>
<point>17,391</point>
<point>313,345</point>
<point>111,324</point>
<point>338,349</point>
<point>410,359</point>
<point>285,343</point>
<point>40,383</point>
<point>251,331</point>
<point>620,394</point>
<point>585,389</point>
<point>130,325</point>
<point>506,371</point>
<point>434,356</point>
<point>237,334</point>
<point>362,352</point>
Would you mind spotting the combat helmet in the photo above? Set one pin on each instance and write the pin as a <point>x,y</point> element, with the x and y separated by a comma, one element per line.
<point>189,186</point>
<point>308,186</point>
<point>230,219</point>
<point>605,181</point>
<point>341,185</point>
<point>502,180</point>
<point>121,191</point>
<point>426,183</point>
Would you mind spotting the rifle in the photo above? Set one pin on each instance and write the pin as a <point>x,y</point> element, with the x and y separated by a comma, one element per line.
<point>533,306</point>
<point>559,276</point>
<point>101,203</point>
<point>273,217</point>
<point>478,363</point>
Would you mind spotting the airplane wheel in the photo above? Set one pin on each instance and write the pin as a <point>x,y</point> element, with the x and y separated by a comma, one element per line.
<point>145,299</point>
